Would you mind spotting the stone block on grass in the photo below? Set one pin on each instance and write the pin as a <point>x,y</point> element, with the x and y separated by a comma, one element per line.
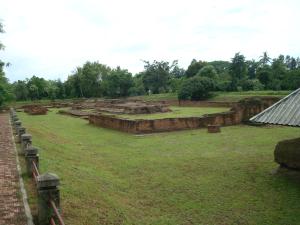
<point>287,153</point>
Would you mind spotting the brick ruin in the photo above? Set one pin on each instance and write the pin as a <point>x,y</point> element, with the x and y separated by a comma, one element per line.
<point>119,106</point>
<point>35,109</point>
<point>101,113</point>
<point>240,112</point>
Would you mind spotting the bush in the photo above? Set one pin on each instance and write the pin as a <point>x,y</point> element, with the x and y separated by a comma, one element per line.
<point>252,85</point>
<point>223,85</point>
<point>292,80</point>
<point>175,84</point>
<point>196,88</point>
<point>274,85</point>
<point>208,71</point>
<point>137,90</point>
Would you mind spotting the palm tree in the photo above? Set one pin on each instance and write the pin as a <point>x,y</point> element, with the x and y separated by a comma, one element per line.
<point>264,59</point>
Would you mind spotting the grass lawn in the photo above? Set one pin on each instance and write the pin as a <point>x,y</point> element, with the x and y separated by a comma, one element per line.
<point>236,96</point>
<point>157,97</point>
<point>185,177</point>
<point>218,95</point>
<point>176,112</point>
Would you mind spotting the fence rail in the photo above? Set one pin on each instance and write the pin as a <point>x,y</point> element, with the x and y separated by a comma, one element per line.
<point>32,167</point>
<point>35,171</point>
<point>58,216</point>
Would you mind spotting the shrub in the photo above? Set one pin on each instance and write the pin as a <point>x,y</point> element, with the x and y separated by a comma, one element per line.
<point>252,85</point>
<point>196,88</point>
<point>274,85</point>
<point>175,84</point>
<point>208,71</point>
<point>223,85</point>
<point>292,80</point>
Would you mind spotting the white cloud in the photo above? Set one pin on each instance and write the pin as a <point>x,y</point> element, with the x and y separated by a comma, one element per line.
<point>51,38</point>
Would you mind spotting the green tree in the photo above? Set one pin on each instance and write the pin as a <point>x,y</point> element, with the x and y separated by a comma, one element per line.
<point>252,66</point>
<point>264,74</point>
<point>157,74</point>
<point>177,72</point>
<point>264,59</point>
<point>33,91</point>
<point>279,68</point>
<point>72,86</point>
<point>293,64</point>
<point>290,62</point>
<point>237,70</point>
<point>194,68</point>
<point>5,88</point>
<point>175,84</point>
<point>117,83</point>
<point>208,71</point>
<point>196,88</point>
<point>1,31</point>
<point>86,80</point>
<point>222,67</point>
<point>52,90</point>
<point>291,80</point>
<point>61,90</point>
<point>37,87</point>
<point>252,84</point>
<point>138,85</point>
<point>21,90</point>
<point>91,76</point>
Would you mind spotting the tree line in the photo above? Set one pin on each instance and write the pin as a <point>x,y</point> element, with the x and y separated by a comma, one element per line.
<point>94,79</point>
<point>6,93</point>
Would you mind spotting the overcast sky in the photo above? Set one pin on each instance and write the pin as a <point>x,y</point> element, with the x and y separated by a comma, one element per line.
<point>51,38</point>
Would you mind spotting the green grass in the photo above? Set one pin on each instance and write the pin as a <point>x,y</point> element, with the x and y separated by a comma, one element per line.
<point>218,96</point>
<point>236,96</point>
<point>186,177</point>
<point>157,97</point>
<point>177,112</point>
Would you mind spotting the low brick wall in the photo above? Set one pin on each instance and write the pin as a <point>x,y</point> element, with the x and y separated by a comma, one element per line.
<point>167,124</point>
<point>241,112</point>
<point>35,109</point>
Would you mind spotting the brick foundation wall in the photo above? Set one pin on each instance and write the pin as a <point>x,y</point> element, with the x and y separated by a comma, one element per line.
<point>167,124</point>
<point>241,112</point>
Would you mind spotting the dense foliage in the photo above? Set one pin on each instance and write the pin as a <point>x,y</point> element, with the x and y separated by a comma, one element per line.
<point>196,88</point>
<point>282,73</point>
<point>5,88</point>
<point>94,79</point>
